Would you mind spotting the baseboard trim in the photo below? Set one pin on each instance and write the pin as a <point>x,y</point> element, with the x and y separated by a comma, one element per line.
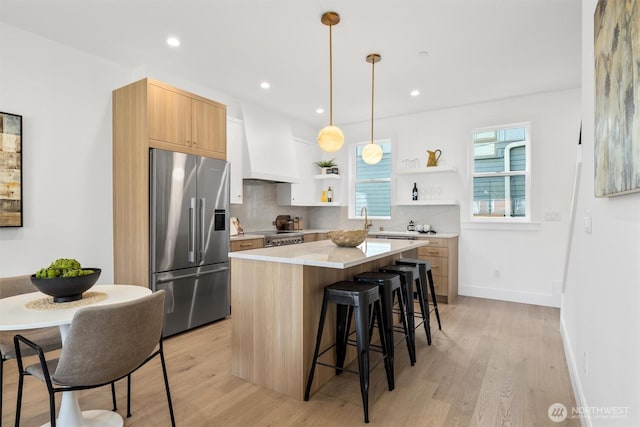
<point>585,419</point>
<point>546,300</point>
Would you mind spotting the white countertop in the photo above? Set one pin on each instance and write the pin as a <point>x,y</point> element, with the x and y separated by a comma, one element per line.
<point>325,253</point>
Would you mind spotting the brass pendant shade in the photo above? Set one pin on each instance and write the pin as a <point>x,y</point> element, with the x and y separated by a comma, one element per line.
<point>330,137</point>
<point>372,152</point>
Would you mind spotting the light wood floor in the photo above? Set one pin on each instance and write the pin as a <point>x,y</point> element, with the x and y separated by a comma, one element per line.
<point>493,364</point>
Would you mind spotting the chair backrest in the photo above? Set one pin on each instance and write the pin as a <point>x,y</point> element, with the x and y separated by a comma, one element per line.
<point>107,342</point>
<point>16,285</point>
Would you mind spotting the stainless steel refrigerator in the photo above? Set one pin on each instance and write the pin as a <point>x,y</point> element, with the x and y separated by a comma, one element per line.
<point>189,252</point>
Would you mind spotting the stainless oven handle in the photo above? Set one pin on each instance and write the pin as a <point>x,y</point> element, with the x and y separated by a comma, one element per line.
<point>397,237</point>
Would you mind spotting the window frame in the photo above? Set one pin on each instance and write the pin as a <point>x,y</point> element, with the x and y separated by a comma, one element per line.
<point>351,214</point>
<point>506,174</point>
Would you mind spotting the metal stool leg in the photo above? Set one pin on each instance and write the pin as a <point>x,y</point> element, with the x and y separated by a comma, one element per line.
<point>362,342</point>
<point>323,314</point>
<point>433,297</point>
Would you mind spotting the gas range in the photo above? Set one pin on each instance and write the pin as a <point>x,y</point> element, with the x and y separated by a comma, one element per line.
<point>280,237</point>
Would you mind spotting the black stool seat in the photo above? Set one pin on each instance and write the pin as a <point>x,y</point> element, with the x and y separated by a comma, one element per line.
<point>389,285</point>
<point>427,277</point>
<point>360,299</point>
<point>408,275</point>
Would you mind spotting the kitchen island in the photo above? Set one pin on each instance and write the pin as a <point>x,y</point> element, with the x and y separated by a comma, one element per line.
<point>276,296</point>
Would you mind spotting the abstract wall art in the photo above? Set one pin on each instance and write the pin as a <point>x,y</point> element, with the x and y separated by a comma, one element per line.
<point>617,97</point>
<point>10,170</point>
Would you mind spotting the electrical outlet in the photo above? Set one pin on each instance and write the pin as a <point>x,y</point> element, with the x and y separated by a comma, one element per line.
<point>587,222</point>
<point>585,364</point>
<point>552,216</point>
<point>496,273</point>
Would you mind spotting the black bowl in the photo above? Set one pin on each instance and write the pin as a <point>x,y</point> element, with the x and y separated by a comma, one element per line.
<point>64,289</point>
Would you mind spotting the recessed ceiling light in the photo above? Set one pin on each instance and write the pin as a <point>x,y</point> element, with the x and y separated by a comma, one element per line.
<point>173,41</point>
<point>415,92</point>
<point>320,110</point>
<point>423,53</point>
<point>265,85</point>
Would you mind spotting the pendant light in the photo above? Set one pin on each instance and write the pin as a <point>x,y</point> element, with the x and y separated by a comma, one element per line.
<point>372,153</point>
<point>330,137</point>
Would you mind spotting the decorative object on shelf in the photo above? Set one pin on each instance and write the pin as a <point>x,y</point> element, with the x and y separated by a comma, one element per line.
<point>327,166</point>
<point>329,194</point>
<point>372,152</point>
<point>414,192</point>
<point>432,159</point>
<point>10,170</point>
<point>348,238</point>
<point>330,137</point>
<point>411,226</point>
<point>323,197</point>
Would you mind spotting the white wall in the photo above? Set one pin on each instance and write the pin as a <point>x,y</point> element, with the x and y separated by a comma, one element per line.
<point>600,316</point>
<point>64,97</point>
<point>515,263</point>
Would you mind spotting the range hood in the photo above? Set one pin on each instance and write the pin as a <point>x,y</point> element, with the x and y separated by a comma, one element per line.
<point>269,154</point>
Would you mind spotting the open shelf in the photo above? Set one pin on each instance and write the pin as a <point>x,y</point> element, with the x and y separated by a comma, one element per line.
<point>432,169</point>
<point>327,176</point>
<point>427,203</point>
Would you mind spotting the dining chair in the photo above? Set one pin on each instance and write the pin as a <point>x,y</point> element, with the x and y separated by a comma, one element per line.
<point>49,338</point>
<point>104,344</point>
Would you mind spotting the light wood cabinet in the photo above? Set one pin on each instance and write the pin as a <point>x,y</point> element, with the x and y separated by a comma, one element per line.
<point>442,253</point>
<point>313,237</point>
<point>246,244</point>
<point>185,122</point>
<point>151,114</point>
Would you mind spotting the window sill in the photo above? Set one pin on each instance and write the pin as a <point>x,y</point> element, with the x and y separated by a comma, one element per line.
<point>494,225</point>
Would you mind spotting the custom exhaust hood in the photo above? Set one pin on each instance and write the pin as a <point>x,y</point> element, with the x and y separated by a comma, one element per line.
<point>269,152</point>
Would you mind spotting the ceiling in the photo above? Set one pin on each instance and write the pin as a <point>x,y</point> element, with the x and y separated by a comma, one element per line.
<point>476,50</point>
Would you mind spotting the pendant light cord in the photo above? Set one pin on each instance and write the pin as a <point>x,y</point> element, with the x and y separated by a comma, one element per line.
<point>330,76</point>
<point>373,65</point>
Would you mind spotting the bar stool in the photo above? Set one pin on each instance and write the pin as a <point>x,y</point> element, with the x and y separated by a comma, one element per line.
<point>361,298</point>
<point>426,277</point>
<point>389,287</point>
<point>408,275</point>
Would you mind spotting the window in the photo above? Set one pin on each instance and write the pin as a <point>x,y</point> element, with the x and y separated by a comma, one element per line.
<point>370,184</point>
<point>501,173</point>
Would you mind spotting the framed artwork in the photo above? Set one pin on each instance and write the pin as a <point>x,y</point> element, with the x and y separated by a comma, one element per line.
<point>10,170</point>
<point>617,98</point>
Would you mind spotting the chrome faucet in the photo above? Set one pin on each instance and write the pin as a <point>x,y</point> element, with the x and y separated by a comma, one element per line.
<point>367,224</point>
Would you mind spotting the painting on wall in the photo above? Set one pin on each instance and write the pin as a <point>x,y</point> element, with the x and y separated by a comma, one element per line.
<point>617,98</point>
<point>10,170</point>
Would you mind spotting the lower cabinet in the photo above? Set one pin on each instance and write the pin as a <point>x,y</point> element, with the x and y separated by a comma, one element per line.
<point>442,254</point>
<point>312,237</point>
<point>246,244</point>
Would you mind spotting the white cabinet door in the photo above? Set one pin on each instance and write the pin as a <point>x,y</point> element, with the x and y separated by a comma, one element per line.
<point>305,192</point>
<point>235,140</point>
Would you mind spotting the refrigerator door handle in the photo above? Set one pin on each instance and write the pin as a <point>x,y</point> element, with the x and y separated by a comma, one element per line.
<point>192,230</point>
<point>186,276</point>
<point>202,228</point>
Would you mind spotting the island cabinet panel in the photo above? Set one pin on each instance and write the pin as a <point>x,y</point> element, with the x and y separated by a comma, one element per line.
<point>442,254</point>
<point>151,114</point>
<point>276,310</point>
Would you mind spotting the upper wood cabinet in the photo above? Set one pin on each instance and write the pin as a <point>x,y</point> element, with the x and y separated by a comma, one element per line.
<point>192,123</point>
<point>150,114</point>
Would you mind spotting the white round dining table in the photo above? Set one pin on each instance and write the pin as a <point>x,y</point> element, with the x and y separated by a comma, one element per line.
<point>14,315</point>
